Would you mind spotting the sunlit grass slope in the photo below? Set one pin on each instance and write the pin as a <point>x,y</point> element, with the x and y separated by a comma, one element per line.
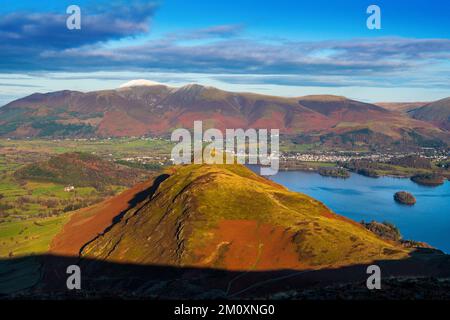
<point>227,216</point>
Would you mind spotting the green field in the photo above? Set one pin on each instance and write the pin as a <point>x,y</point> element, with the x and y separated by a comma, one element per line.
<point>289,146</point>
<point>117,147</point>
<point>32,214</point>
<point>43,199</point>
<point>31,236</point>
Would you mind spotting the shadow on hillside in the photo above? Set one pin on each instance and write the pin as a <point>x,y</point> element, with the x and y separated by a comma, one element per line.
<point>44,277</point>
<point>139,197</point>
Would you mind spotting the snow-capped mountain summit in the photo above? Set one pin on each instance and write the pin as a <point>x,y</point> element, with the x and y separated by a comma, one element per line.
<point>140,82</point>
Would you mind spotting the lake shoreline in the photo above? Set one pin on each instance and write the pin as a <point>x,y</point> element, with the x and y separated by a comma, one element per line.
<point>364,198</point>
<point>391,175</point>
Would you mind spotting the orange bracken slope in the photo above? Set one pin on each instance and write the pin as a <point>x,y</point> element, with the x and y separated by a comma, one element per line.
<point>88,223</point>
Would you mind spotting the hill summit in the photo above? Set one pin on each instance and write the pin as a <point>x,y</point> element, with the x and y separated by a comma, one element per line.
<point>81,170</point>
<point>227,217</point>
<point>437,112</point>
<point>139,83</point>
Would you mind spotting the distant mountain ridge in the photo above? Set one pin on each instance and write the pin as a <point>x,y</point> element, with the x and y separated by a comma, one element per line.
<point>401,106</point>
<point>157,109</point>
<point>437,112</point>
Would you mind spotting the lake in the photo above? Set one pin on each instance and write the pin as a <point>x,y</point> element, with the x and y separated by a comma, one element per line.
<point>364,198</point>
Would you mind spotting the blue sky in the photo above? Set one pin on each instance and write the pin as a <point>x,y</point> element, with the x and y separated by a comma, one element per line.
<point>290,48</point>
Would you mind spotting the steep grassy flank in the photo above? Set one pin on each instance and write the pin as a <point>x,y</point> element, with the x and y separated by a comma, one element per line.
<point>227,216</point>
<point>80,170</point>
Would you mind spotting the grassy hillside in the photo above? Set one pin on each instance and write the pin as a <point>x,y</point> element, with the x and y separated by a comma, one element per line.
<point>80,170</point>
<point>31,236</point>
<point>33,202</point>
<point>437,112</point>
<point>229,217</point>
<point>403,107</point>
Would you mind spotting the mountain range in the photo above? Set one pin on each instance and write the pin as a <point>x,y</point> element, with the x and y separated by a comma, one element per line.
<point>147,108</point>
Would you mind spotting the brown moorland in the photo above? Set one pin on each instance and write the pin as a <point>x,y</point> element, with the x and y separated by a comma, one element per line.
<point>157,110</point>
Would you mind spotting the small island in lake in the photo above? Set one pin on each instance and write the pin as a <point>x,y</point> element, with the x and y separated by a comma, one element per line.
<point>334,172</point>
<point>404,197</point>
<point>428,179</point>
